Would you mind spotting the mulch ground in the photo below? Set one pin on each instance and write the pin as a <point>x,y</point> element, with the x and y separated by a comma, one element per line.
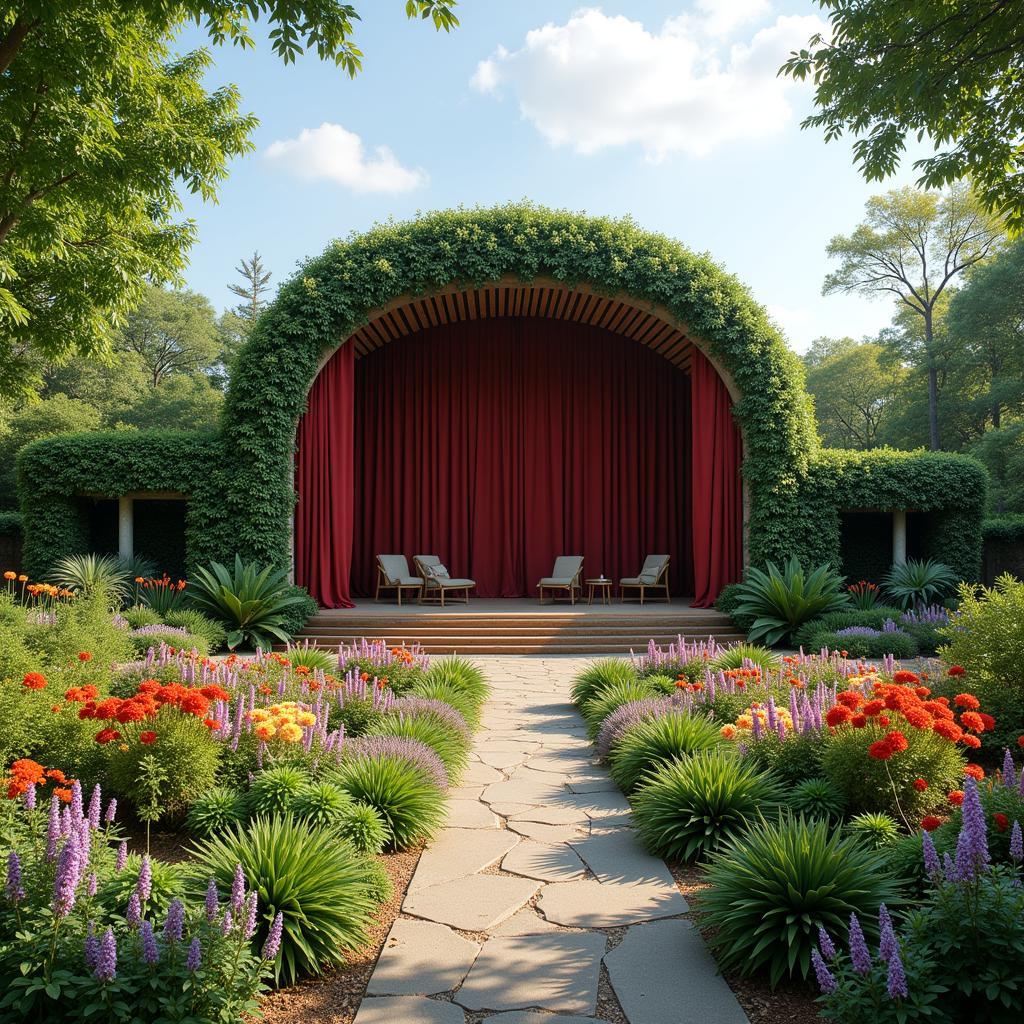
<point>790,1002</point>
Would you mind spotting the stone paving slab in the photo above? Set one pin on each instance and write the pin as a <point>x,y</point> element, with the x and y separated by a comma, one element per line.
<point>548,833</point>
<point>557,971</point>
<point>618,856</point>
<point>663,972</point>
<point>536,1017</point>
<point>420,959</point>
<point>591,904</point>
<point>524,922</point>
<point>407,1010</point>
<point>470,814</point>
<point>472,904</point>
<point>544,862</point>
<point>458,852</point>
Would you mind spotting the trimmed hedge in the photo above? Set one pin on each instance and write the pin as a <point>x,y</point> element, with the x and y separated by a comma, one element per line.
<point>241,482</point>
<point>1008,529</point>
<point>10,523</point>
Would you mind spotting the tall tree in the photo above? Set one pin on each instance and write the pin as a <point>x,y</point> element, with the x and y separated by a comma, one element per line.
<point>256,279</point>
<point>853,386</point>
<point>100,123</point>
<point>172,332</point>
<point>949,71</point>
<point>914,245</point>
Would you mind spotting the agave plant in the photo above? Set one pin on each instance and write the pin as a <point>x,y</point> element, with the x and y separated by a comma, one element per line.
<point>87,574</point>
<point>648,745</point>
<point>780,600</point>
<point>306,656</point>
<point>919,582</point>
<point>739,655</point>
<point>249,600</point>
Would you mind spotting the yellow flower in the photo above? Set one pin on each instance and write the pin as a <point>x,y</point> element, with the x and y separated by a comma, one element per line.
<point>727,732</point>
<point>265,730</point>
<point>744,722</point>
<point>306,718</point>
<point>290,733</point>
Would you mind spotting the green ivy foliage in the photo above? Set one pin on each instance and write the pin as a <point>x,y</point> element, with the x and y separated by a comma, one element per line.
<point>241,483</point>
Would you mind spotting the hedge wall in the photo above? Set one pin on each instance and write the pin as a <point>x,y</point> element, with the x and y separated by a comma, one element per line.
<point>951,488</point>
<point>54,472</point>
<point>241,483</point>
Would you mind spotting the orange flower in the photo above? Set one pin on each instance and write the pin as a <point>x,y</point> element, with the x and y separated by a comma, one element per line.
<point>975,771</point>
<point>838,715</point>
<point>84,656</point>
<point>147,737</point>
<point>106,735</point>
<point>10,575</point>
<point>970,741</point>
<point>973,721</point>
<point>955,797</point>
<point>967,700</point>
<point>34,681</point>
<point>920,785</point>
<point>930,823</point>
<point>63,795</point>
<point>903,676</point>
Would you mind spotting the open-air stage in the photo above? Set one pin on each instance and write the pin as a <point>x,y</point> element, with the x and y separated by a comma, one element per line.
<point>520,626</point>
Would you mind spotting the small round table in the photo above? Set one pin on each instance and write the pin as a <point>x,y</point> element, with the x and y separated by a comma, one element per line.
<point>603,588</point>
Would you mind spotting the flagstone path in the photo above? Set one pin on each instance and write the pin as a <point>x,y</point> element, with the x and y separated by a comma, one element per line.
<point>536,905</point>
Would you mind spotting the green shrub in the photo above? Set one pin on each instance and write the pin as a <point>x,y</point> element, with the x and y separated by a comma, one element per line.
<point>139,615</point>
<point>299,612</point>
<point>184,754</point>
<point>449,745</point>
<point>320,803</point>
<point>198,624</point>
<point>463,675</point>
<point>737,654</point>
<point>874,618</point>
<point>382,889</point>
<point>774,886</point>
<point>363,827</point>
<point>879,831</point>
<point>356,714</point>
<point>154,636</point>
<point>82,625</point>
<point>791,760</point>
<point>730,598</point>
<point>919,582</point>
<point>691,807</point>
<point>899,645</point>
<point>272,791</point>
<point>91,574</point>
<point>816,798</point>
<point>648,745</point>
<point>928,636</point>
<point>781,600</point>
<point>216,809</point>
<point>249,601</point>
<point>439,689</point>
<point>116,889</point>
<point>320,883</point>
<point>599,675</point>
<point>599,706</point>
<point>412,806</point>
<point>314,658</point>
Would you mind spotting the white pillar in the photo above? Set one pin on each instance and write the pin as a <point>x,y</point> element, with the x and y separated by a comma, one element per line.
<point>899,537</point>
<point>125,527</point>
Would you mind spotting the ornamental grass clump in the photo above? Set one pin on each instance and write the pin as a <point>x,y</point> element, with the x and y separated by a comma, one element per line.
<point>625,716</point>
<point>599,675</point>
<point>879,831</point>
<point>273,790</point>
<point>214,810</point>
<point>317,882</point>
<point>816,798</point>
<point>689,808</point>
<point>648,745</point>
<point>597,708</point>
<point>363,826</point>
<point>320,803</point>
<point>775,885</point>
<point>451,747</point>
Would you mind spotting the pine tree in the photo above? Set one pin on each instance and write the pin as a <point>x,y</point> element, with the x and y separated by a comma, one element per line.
<point>256,278</point>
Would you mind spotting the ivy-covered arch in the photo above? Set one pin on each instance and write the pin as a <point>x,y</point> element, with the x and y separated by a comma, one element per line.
<point>335,294</point>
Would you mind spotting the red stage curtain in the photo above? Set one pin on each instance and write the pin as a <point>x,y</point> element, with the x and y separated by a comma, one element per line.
<point>323,482</point>
<point>717,493</point>
<point>499,444</point>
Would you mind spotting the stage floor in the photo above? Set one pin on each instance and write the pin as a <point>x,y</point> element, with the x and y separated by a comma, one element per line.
<point>524,606</point>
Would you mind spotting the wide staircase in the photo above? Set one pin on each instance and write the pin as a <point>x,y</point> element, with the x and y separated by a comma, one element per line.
<point>551,631</point>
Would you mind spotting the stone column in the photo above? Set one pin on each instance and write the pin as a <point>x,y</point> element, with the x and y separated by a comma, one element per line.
<point>125,527</point>
<point>899,536</point>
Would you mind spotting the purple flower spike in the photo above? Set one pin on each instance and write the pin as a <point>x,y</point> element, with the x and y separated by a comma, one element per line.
<point>859,955</point>
<point>30,797</point>
<point>888,947</point>
<point>108,818</point>
<point>195,956</point>
<point>106,960</point>
<point>174,926</point>
<point>1009,772</point>
<point>273,943</point>
<point>122,856</point>
<point>15,892</point>
<point>150,952</point>
<point>227,924</point>
<point>133,915</point>
<point>212,907</point>
<point>896,979</point>
<point>825,944</point>
<point>251,905</point>
<point>826,982</point>
<point>1016,843</point>
<point>65,883</point>
<point>144,886</point>
<point>91,951</point>
<point>95,807</point>
<point>92,884</point>
<point>76,801</point>
<point>972,845</point>
<point>931,855</point>
<point>238,892</point>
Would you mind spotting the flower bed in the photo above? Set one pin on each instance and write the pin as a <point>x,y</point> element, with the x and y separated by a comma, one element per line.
<point>290,779</point>
<point>800,787</point>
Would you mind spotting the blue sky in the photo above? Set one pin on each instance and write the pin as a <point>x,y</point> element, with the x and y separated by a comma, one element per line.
<point>667,111</point>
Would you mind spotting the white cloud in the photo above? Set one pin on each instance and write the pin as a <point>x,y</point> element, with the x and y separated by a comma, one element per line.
<point>331,153</point>
<point>600,81</point>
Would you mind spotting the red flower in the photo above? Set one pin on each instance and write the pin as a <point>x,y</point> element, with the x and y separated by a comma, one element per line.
<point>956,797</point>
<point>897,741</point>
<point>34,681</point>
<point>130,711</point>
<point>883,719</point>
<point>930,823</point>
<point>850,699</point>
<point>80,694</point>
<point>948,731</point>
<point>918,718</point>
<point>920,785</point>
<point>215,693</point>
<point>975,771</point>
<point>211,723</point>
<point>858,721</point>
<point>149,686</point>
<point>988,721</point>
<point>106,735</point>
<point>903,676</point>
<point>955,670</point>
<point>194,704</point>
<point>873,707</point>
<point>107,708</point>
<point>147,737</point>
<point>880,750</point>
<point>973,721</point>
<point>1001,820</point>
<point>84,656</point>
<point>838,715</point>
<point>1020,741</point>
<point>967,700</point>
<point>922,691</point>
<point>970,741</point>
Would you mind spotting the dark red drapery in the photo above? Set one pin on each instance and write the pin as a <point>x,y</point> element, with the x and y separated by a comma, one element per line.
<point>717,493</point>
<point>323,481</point>
<point>501,443</point>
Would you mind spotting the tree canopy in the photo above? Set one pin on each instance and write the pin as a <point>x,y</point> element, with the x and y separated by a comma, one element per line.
<point>948,72</point>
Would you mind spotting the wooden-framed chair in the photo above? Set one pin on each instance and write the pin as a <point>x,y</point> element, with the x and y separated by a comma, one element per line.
<point>564,576</point>
<point>653,576</point>
<point>393,574</point>
<point>437,583</point>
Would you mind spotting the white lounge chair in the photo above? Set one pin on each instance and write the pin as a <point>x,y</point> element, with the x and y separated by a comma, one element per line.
<point>653,576</point>
<point>393,574</point>
<point>437,582</point>
<point>564,576</point>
